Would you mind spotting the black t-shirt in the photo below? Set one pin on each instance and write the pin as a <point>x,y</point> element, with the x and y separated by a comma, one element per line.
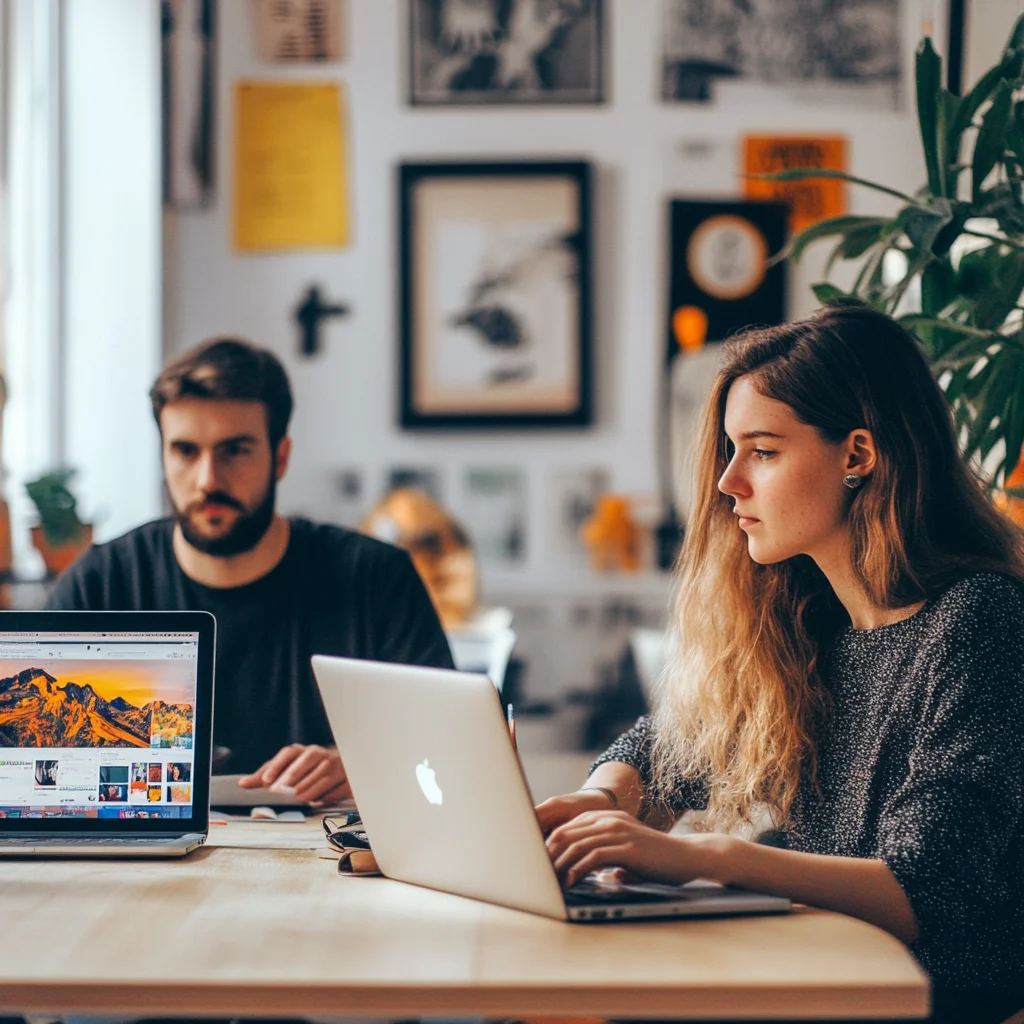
<point>334,592</point>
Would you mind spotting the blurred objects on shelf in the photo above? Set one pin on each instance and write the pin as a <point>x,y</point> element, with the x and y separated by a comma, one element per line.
<point>484,643</point>
<point>650,650</point>
<point>613,535</point>
<point>439,547</point>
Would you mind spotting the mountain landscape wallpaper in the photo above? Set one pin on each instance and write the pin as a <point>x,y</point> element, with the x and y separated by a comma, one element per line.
<point>38,711</point>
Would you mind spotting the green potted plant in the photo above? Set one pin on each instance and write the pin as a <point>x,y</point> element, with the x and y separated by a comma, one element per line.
<point>60,536</point>
<point>959,240</point>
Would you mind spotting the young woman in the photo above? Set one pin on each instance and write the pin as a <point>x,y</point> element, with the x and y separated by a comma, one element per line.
<point>850,617</point>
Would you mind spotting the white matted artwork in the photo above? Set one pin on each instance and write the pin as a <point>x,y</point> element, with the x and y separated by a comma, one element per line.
<point>573,496</point>
<point>493,509</point>
<point>297,31</point>
<point>841,50</point>
<point>495,294</point>
<point>187,72</point>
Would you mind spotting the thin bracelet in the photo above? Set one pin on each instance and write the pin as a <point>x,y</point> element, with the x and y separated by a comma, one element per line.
<point>601,789</point>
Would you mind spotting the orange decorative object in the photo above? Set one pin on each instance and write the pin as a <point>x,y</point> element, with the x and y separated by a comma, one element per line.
<point>1011,506</point>
<point>438,546</point>
<point>58,557</point>
<point>811,199</point>
<point>613,536</point>
<point>690,327</point>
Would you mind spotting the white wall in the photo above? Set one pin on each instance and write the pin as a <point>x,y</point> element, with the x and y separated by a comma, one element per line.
<point>346,396</point>
<point>989,23</point>
<point>111,334</point>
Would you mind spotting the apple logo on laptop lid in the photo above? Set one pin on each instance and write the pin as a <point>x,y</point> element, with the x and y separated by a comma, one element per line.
<point>427,778</point>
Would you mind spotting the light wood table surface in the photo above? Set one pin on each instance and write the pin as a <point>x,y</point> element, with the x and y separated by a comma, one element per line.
<point>261,932</point>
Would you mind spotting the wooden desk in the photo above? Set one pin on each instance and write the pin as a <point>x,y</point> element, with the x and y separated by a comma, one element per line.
<point>274,932</point>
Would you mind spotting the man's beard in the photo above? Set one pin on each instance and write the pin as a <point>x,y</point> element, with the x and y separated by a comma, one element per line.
<point>248,530</point>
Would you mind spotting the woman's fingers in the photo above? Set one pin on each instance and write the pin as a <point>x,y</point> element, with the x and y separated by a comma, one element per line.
<point>583,847</point>
<point>583,824</point>
<point>599,858</point>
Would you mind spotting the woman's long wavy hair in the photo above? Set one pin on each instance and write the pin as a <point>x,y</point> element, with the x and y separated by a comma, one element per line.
<point>741,702</point>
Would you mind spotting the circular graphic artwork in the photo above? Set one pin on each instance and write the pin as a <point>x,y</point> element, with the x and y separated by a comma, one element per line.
<point>726,256</point>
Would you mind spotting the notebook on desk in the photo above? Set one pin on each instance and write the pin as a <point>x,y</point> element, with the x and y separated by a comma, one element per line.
<point>445,804</point>
<point>105,729</point>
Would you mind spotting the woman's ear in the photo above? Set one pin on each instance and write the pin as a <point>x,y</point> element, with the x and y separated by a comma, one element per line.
<point>859,449</point>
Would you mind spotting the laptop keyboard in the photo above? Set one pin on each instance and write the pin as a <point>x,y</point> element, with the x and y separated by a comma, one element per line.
<point>586,893</point>
<point>89,840</point>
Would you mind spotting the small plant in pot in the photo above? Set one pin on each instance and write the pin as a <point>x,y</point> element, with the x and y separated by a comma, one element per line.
<point>60,536</point>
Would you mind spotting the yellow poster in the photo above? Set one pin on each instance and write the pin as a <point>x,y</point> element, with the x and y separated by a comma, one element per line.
<point>810,200</point>
<point>291,172</point>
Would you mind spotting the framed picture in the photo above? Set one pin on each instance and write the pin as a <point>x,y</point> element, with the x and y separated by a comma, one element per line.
<point>188,45</point>
<point>851,54</point>
<point>298,31</point>
<point>719,251</point>
<point>495,294</point>
<point>505,51</point>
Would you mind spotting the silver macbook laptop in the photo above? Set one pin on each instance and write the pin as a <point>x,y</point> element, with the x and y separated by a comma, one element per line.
<point>445,804</point>
<point>105,732</point>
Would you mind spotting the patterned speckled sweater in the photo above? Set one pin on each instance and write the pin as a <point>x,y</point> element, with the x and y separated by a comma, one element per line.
<point>921,765</point>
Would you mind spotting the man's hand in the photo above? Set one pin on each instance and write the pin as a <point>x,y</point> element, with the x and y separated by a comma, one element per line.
<point>312,774</point>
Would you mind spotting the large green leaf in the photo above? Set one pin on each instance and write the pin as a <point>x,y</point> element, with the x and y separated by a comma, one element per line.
<point>857,241</point>
<point>1009,68</point>
<point>991,404</point>
<point>991,141</point>
<point>929,81</point>
<point>993,279</point>
<point>938,291</point>
<point>1016,40</point>
<point>938,287</point>
<point>824,292</point>
<point>826,229</point>
<point>1004,202</point>
<point>804,173</point>
<point>922,224</point>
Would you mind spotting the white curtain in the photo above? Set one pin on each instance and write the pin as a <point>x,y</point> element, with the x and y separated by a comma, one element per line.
<point>30,270</point>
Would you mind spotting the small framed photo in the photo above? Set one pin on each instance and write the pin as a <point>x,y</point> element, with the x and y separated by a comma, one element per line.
<point>505,51</point>
<point>495,294</point>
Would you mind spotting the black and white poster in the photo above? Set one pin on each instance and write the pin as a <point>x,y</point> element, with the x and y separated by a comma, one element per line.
<point>495,294</point>
<point>187,74</point>
<point>835,49</point>
<point>505,51</point>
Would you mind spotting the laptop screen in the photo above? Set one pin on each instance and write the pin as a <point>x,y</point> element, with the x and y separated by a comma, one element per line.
<point>98,725</point>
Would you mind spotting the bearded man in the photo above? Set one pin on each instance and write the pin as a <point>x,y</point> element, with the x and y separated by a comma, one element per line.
<point>281,589</point>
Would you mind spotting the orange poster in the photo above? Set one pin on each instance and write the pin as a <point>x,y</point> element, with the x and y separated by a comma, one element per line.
<point>810,200</point>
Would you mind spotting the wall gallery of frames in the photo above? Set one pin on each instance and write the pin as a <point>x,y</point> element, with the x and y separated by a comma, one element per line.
<point>474,231</point>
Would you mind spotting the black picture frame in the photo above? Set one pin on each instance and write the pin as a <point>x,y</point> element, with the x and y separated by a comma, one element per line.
<point>513,346</point>
<point>567,68</point>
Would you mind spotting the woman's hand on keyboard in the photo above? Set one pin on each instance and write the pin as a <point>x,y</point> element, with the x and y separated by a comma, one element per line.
<point>605,838</point>
<point>560,809</point>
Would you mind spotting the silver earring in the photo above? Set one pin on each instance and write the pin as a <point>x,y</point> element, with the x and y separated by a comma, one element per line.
<point>853,481</point>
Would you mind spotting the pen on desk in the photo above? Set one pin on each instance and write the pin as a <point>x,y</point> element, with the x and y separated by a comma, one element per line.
<point>510,716</point>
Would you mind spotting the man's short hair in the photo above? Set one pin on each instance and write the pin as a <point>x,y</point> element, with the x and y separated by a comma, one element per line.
<point>230,369</point>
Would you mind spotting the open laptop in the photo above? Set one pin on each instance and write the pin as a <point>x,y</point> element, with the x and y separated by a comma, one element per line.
<point>443,797</point>
<point>106,722</point>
